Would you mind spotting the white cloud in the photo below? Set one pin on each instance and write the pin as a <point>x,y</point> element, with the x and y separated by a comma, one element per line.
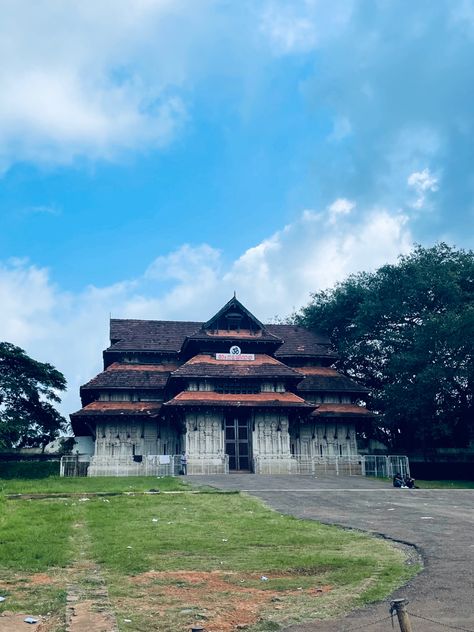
<point>299,26</point>
<point>272,278</point>
<point>89,79</point>
<point>422,182</point>
<point>338,208</point>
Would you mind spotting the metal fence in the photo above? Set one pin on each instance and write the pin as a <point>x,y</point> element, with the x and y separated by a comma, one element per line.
<point>211,466</point>
<point>385,466</point>
<point>335,465</point>
<point>147,465</point>
<point>170,465</point>
<point>77,465</point>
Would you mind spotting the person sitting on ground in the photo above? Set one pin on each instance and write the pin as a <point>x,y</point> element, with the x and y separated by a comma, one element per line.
<point>398,480</point>
<point>409,482</point>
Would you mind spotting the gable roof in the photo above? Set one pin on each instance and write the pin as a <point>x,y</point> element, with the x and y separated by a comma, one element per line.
<point>233,304</point>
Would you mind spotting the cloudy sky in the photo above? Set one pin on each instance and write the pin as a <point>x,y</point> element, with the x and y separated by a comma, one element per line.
<point>156,155</point>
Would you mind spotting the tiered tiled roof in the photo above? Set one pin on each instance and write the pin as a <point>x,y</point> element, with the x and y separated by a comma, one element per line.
<point>207,366</point>
<point>171,343</point>
<point>209,398</point>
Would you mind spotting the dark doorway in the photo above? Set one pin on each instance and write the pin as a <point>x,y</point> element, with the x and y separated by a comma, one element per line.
<point>237,441</point>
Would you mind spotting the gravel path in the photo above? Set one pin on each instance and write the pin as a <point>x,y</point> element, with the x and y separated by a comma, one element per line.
<point>438,522</point>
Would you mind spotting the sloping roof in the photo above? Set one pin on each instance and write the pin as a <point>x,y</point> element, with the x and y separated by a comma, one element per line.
<point>150,335</point>
<point>206,398</point>
<point>298,341</point>
<point>207,366</point>
<point>233,304</point>
<point>119,408</point>
<point>341,410</point>
<point>119,375</point>
<point>318,378</point>
<point>169,336</point>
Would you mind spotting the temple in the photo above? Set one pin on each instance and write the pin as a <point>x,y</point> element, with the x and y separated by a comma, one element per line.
<point>232,393</point>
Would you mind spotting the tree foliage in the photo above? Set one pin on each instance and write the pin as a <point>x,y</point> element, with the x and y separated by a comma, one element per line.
<point>28,390</point>
<point>406,331</point>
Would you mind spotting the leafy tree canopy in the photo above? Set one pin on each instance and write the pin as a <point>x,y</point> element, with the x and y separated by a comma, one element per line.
<point>406,331</point>
<point>28,389</point>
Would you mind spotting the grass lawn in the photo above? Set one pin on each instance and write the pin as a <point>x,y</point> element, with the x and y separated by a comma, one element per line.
<point>56,484</point>
<point>445,484</point>
<point>169,561</point>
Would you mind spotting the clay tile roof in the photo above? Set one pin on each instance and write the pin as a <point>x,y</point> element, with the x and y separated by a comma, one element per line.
<point>316,370</point>
<point>319,378</point>
<point>298,341</point>
<point>341,410</point>
<point>170,335</point>
<point>117,408</point>
<point>207,366</point>
<point>131,376</point>
<point>282,400</point>
<point>126,366</point>
<point>150,335</point>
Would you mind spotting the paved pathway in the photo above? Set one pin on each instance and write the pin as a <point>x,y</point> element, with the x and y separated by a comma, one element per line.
<point>440,523</point>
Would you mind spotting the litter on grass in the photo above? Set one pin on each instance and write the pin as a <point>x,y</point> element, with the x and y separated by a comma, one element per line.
<point>263,578</point>
<point>30,620</point>
<point>2,599</point>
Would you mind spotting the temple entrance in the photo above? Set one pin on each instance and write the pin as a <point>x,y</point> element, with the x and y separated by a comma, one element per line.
<point>237,441</point>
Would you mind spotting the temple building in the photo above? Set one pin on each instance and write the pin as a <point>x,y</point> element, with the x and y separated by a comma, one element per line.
<point>232,393</point>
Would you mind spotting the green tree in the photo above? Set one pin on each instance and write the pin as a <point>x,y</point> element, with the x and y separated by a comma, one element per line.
<point>28,389</point>
<point>406,331</point>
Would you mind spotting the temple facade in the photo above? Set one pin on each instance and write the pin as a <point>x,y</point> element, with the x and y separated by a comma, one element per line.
<point>232,393</point>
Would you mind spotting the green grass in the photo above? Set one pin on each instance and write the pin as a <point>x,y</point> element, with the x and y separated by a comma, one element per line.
<point>445,484</point>
<point>187,540</point>
<point>238,536</point>
<point>56,484</point>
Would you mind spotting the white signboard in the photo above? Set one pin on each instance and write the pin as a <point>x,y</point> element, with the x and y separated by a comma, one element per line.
<point>237,357</point>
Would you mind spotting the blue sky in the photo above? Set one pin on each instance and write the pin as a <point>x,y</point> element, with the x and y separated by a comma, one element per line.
<point>155,155</point>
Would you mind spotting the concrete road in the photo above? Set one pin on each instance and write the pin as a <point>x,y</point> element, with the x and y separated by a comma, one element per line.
<point>439,523</point>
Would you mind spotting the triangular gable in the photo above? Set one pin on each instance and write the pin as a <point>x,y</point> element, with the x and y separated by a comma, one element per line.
<point>233,313</point>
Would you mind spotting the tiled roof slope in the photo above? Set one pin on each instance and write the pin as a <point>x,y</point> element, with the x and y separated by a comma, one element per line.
<point>119,408</point>
<point>327,379</point>
<point>131,376</point>
<point>209,398</point>
<point>207,366</point>
<point>169,336</point>
<point>150,335</point>
<point>300,341</point>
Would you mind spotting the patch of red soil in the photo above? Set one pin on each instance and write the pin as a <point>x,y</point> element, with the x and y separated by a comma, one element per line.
<point>224,597</point>
<point>13,622</point>
<point>40,579</point>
